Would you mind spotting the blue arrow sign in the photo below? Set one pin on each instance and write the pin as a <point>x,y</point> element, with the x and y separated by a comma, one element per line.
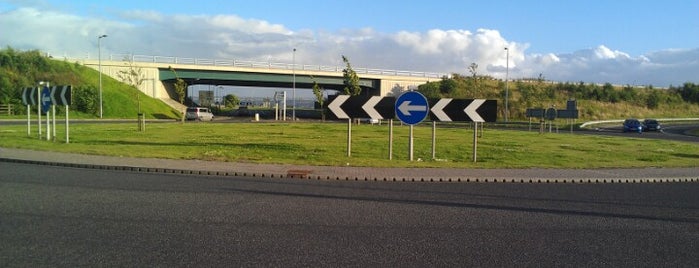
<point>411,107</point>
<point>45,99</point>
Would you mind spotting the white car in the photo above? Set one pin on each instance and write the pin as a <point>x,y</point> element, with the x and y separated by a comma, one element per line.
<point>199,113</point>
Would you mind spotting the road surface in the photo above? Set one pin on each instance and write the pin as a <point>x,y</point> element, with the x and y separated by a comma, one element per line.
<point>68,217</point>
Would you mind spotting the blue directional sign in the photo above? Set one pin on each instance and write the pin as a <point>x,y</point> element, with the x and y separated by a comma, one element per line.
<point>45,99</point>
<point>411,107</point>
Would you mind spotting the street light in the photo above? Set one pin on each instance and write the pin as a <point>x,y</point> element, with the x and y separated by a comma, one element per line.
<point>99,60</point>
<point>293,95</point>
<point>507,74</point>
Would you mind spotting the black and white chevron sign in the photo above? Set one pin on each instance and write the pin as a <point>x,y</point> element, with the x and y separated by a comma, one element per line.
<point>374,107</point>
<point>61,95</point>
<point>468,110</point>
<point>29,96</point>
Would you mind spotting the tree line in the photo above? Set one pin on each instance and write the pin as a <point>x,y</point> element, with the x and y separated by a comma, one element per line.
<point>536,93</point>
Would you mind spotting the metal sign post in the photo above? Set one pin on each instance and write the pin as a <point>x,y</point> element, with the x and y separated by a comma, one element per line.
<point>349,137</point>
<point>411,108</point>
<point>475,141</point>
<point>67,128</point>
<point>28,99</point>
<point>38,109</point>
<point>411,144</point>
<point>434,139</point>
<point>45,103</point>
<point>29,118</point>
<point>390,139</point>
<point>54,121</point>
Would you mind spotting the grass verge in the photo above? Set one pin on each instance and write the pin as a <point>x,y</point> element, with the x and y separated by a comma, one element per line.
<point>326,144</point>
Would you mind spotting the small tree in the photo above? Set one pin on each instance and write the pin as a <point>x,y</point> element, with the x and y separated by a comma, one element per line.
<point>85,99</point>
<point>180,86</point>
<point>134,77</point>
<point>473,69</point>
<point>318,92</point>
<point>231,101</point>
<point>351,79</point>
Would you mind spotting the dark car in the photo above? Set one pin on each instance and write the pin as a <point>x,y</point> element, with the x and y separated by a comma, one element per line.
<point>651,124</point>
<point>633,125</point>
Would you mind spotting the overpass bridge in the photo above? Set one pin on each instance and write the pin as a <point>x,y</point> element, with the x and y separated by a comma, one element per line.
<point>159,78</point>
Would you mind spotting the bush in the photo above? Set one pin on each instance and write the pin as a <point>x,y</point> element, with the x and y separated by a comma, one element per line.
<point>85,99</point>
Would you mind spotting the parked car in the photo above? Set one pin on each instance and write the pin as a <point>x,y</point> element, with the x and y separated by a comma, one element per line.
<point>651,124</point>
<point>199,113</point>
<point>633,125</point>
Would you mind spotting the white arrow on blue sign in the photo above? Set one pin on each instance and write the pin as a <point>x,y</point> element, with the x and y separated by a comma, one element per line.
<point>45,99</point>
<point>411,107</point>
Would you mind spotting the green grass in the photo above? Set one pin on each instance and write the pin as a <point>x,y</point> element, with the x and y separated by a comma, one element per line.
<point>326,144</point>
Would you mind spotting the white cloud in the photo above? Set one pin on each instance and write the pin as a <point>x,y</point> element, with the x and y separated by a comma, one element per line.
<point>436,50</point>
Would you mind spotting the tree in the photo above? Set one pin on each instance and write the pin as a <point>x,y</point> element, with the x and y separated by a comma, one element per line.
<point>430,90</point>
<point>653,100</point>
<point>473,69</point>
<point>134,77</point>
<point>180,86</point>
<point>318,92</point>
<point>351,79</point>
<point>84,99</point>
<point>447,87</point>
<point>231,101</point>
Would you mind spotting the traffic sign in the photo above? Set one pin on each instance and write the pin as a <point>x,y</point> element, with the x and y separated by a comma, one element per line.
<point>570,114</point>
<point>551,114</point>
<point>535,112</point>
<point>45,99</point>
<point>411,107</point>
<point>61,95</point>
<point>468,110</point>
<point>29,96</point>
<point>374,107</point>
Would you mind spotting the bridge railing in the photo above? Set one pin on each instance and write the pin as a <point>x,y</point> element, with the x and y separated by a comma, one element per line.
<point>255,64</point>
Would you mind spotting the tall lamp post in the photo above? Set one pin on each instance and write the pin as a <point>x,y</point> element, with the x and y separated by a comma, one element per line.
<point>507,77</point>
<point>99,60</point>
<point>293,95</point>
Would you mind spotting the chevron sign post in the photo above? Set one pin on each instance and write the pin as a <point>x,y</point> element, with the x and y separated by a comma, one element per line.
<point>465,110</point>
<point>47,97</point>
<point>374,107</point>
<point>29,96</point>
<point>348,107</point>
<point>61,95</point>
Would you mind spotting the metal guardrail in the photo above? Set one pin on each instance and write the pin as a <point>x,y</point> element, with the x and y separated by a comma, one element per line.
<point>254,64</point>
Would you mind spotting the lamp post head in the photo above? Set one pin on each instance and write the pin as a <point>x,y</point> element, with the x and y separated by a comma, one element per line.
<point>102,36</point>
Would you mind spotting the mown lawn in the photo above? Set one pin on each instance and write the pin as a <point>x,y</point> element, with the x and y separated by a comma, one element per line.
<point>326,144</point>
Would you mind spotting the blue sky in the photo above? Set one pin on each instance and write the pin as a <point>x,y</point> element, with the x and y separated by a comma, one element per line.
<point>622,42</point>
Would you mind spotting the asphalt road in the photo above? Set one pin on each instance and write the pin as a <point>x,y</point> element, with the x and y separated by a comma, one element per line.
<point>675,132</point>
<point>67,217</point>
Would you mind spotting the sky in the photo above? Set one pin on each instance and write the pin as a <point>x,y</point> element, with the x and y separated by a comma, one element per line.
<point>620,42</point>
